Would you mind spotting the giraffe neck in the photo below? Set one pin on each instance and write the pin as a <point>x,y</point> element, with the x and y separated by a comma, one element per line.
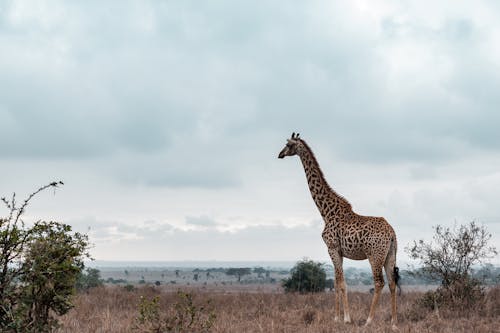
<point>327,200</point>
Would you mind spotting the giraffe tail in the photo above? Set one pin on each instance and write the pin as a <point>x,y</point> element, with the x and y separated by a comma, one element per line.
<point>395,274</point>
<point>397,277</point>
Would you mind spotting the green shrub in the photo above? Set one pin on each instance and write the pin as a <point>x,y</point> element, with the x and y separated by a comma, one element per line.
<point>306,276</point>
<point>41,265</point>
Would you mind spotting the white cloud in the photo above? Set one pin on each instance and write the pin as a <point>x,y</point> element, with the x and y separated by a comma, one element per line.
<point>156,241</point>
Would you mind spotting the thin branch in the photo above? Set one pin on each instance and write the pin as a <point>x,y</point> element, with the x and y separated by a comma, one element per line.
<point>21,210</point>
<point>6,202</point>
<point>12,206</point>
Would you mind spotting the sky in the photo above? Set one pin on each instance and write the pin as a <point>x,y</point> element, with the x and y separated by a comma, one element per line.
<point>164,119</point>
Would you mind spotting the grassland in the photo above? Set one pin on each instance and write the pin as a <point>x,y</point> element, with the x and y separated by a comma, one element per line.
<point>113,309</point>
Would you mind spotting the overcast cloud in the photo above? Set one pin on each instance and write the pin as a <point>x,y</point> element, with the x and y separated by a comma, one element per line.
<point>165,118</point>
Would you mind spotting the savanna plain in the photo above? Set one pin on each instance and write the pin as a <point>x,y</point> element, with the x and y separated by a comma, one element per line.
<point>228,309</point>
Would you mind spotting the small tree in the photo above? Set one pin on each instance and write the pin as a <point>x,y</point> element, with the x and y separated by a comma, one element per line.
<point>38,269</point>
<point>259,271</point>
<point>450,259</point>
<point>454,251</point>
<point>306,276</point>
<point>91,278</point>
<point>239,272</point>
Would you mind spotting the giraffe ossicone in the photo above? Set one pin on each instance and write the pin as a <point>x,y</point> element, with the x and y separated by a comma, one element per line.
<point>348,234</point>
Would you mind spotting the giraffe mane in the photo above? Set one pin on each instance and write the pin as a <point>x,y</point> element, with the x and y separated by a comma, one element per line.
<point>341,197</point>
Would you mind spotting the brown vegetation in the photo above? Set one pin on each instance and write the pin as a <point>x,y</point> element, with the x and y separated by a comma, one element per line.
<point>114,309</point>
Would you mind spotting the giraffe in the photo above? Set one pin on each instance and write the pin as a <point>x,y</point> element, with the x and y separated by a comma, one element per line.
<point>348,234</point>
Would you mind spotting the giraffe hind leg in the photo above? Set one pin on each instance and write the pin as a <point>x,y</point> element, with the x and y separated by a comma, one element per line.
<point>392,273</point>
<point>378,279</point>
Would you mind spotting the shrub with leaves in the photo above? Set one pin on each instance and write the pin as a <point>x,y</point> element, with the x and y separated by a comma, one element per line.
<point>182,316</point>
<point>306,276</point>
<point>39,265</point>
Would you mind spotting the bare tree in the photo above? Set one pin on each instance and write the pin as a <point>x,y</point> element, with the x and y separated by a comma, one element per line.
<point>454,251</point>
<point>449,258</point>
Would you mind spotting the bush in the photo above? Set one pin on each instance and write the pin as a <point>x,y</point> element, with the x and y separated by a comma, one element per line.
<point>458,299</point>
<point>129,287</point>
<point>115,281</point>
<point>306,276</point>
<point>183,316</point>
<point>40,266</point>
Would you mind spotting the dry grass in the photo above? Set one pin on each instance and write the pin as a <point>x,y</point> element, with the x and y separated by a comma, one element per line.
<point>112,309</point>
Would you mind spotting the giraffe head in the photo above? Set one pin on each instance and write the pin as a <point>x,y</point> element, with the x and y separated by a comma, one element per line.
<point>292,146</point>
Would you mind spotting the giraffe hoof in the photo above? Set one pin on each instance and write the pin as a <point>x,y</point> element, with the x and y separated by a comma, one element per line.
<point>347,320</point>
<point>394,328</point>
<point>368,322</point>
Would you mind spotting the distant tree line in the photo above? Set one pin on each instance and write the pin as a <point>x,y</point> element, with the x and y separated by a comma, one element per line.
<point>486,273</point>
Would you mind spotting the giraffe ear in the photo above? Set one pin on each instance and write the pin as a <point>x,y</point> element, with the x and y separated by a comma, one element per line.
<point>293,135</point>
<point>297,136</point>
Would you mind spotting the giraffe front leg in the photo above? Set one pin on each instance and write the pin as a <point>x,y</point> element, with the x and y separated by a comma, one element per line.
<point>338,294</point>
<point>347,315</point>
<point>340,287</point>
